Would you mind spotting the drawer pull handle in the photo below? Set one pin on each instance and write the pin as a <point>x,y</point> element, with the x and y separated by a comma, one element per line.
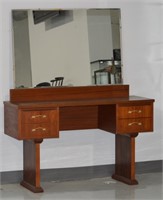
<point>36,116</point>
<point>137,123</point>
<point>38,128</point>
<point>134,111</point>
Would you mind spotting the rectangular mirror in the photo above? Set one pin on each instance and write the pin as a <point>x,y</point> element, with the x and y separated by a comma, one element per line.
<point>82,46</point>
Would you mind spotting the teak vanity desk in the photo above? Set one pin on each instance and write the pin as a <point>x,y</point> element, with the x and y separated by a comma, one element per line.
<point>35,114</point>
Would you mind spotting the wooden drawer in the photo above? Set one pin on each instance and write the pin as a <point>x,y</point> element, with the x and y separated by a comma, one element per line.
<point>42,130</point>
<point>134,125</point>
<point>36,124</point>
<point>135,111</point>
<point>40,116</point>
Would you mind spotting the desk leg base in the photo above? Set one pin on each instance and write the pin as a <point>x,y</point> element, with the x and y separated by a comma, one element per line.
<point>32,188</point>
<point>125,159</point>
<point>31,172</point>
<point>124,180</point>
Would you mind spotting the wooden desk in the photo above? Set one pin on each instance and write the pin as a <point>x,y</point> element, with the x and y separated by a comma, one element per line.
<point>35,114</point>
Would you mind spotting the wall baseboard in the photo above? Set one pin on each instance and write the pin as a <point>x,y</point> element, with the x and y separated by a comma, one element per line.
<point>80,173</point>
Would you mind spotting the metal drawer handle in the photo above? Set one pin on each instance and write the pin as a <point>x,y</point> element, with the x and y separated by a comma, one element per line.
<point>38,128</point>
<point>36,116</point>
<point>137,123</point>
<point>134,111</point>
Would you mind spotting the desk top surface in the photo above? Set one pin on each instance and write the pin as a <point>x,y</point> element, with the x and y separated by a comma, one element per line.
<point>86,102</point>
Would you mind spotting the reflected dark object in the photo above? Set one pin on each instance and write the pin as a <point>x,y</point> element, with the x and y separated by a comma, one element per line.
<point>58,81</point>
<point>40,16</point>
<point>117,54</point>
<point>43,84</point>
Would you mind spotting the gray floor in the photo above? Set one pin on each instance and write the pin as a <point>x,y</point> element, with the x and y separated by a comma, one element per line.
<point>150,187</point>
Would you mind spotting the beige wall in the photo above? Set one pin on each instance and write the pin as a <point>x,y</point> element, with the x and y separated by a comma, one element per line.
<point>22,61</point>
<point>61,51</point>
<point>100,34</point>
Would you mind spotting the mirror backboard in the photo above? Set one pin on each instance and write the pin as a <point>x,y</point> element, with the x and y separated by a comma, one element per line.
<point>83,46</point>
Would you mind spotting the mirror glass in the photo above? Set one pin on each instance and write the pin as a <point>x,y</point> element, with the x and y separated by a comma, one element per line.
<point>83,46</point>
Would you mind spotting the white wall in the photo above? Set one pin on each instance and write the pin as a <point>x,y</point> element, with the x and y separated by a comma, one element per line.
<point>142,68</point>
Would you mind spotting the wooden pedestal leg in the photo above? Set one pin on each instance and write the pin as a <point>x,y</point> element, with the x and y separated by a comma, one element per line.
<point>31,173</point>
<point>125,159</point>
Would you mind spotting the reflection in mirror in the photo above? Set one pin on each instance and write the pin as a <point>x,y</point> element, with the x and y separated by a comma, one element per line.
<point>82,46</point>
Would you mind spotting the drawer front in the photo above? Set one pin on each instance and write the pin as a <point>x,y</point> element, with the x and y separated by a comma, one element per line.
<point>42,130</point>
<point>135,125</point>
<point>41,116</point>
<point>135,111</point>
